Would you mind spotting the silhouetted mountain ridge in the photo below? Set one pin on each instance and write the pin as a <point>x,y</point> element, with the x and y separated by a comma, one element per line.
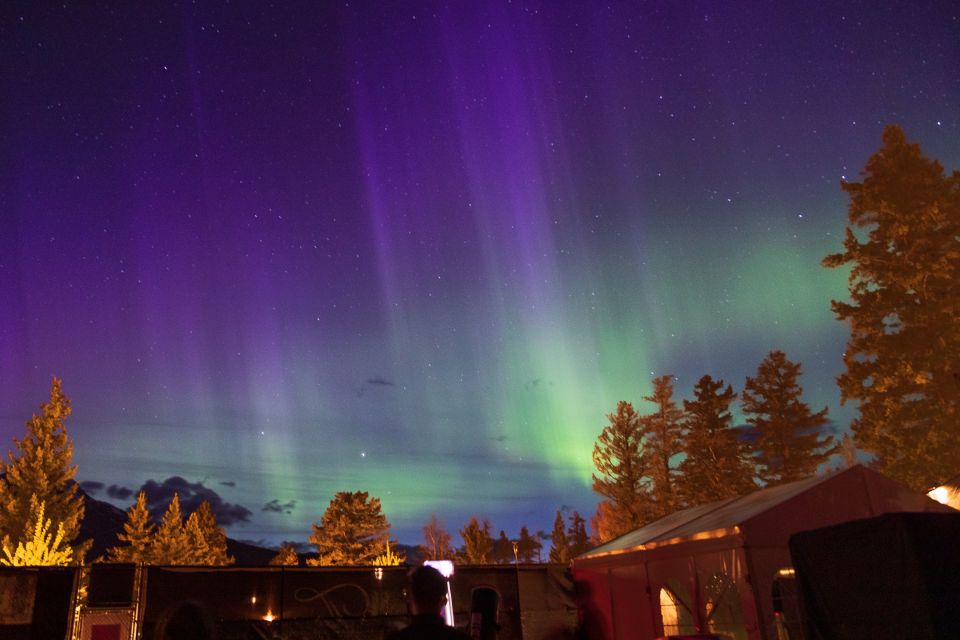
<point>102,522</point>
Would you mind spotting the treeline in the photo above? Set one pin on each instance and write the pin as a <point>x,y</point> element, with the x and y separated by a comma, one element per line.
<point>353,531</point>
<point>682,455</point>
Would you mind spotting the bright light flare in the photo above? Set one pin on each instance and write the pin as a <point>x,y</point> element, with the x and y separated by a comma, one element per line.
<point>445,567</point>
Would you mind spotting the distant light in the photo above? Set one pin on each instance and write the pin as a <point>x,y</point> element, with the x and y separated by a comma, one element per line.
<point>269,617</point>
<point>378,573</point>
<point>253,600</point>
<point>445,567</point>
<point>787,572</point>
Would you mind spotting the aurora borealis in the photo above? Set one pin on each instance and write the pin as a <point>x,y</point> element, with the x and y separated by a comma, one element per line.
<point>421,249</point>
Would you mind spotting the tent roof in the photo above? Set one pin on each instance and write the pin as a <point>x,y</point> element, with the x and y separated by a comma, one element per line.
<point>722,516</point>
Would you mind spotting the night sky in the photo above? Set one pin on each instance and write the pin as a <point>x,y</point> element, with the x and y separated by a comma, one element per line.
<point>421,249</point>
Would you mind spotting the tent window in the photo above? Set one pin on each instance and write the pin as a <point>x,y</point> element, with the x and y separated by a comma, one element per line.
<point>724,613</point>
<point>676,616</point>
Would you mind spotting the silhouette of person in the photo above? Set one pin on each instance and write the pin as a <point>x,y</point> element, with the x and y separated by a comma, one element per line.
<point>428,595</point>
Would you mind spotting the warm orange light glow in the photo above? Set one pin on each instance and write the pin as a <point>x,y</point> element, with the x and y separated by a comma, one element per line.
<point>940,494</point>
<point>786,572</point>
<point>253,600</point>
<point>269,617</point>
<point>702,535</point>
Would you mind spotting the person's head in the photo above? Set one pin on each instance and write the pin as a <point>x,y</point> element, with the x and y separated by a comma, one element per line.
<point>428,590</point>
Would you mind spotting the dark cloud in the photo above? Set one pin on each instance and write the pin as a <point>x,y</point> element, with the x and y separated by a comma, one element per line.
<point>119,493</point>
<point>228,483</point>
<point>275,506</point>
<point>159,495</point>
<point>382,382</point>
<point>91,487</point>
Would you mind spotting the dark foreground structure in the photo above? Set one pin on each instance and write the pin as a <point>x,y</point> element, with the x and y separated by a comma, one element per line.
<point>725,567</point>
<point>894,576</point>
<point>124,602</point>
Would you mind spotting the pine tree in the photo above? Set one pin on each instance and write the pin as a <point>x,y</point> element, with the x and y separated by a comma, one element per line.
<point>171,543</point>
<point>352,531</point>
<point>503,549</point>
<point>559,545</point>
<point>287,556</point>
<point>138,532</point>
<point>214,540</point>
<point>663,443</point>
<point>621,478</point>
<point>903,356</point>
<point>718,464</point>
<point>577,539</point>
<point>528,547</point>
<point>477,542</point>
<point>436,541</point>
<point>42,471</point>
<point>199,552</point>
<point>789,443</point>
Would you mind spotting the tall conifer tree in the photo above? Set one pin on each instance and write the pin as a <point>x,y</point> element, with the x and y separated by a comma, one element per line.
<point>199,552</point>
<point>577,539</point>
<point>138,532</point>
<point>903,356</point>
<point>718,464</point>
<point>559,545</point>
<point>663,443</point>
<point>477,542</point>
<point>214,538</point>
<point>503,549</point>
<point>621,475</point>
<point>528,547</point>
<point>789,441</point>
<point>171,543</point>
<point>42,471</point>
<point>352,531</point>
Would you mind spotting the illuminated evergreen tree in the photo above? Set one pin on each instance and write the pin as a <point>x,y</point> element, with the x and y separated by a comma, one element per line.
<point>663,443</point>
<point>559,545</point>
<point>436,541</point>
<point>477,542</point>
<point>528,547</point>
<point>42,472</point>
<point>287,556</point>
<point>718,464</point>
<point>789,443</point>
<point>352,531</point>
<point>621,475</point>
<point>198,552</point>
<point>903,356</point>
<point>138,533</point>
<point>577,539</point>
<point>171,542</point>
<point>212,545</point>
